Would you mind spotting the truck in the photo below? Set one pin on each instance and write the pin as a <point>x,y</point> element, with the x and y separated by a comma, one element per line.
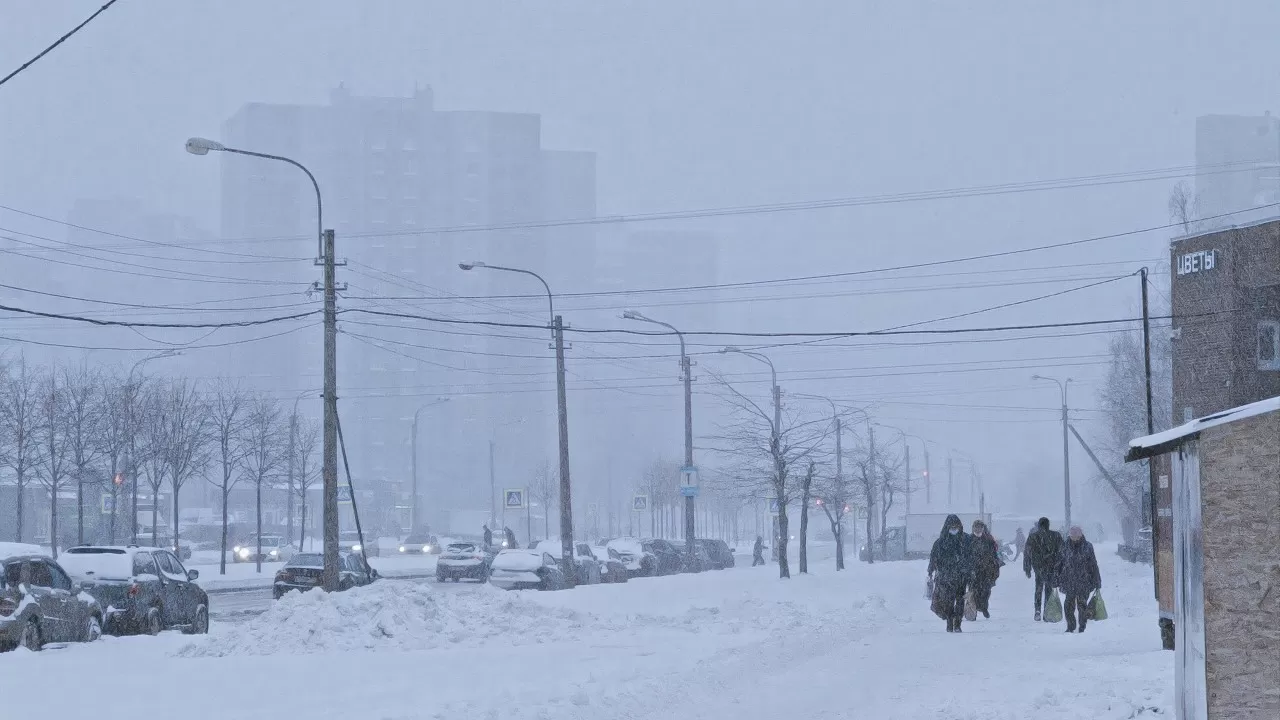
<point>914,539</point>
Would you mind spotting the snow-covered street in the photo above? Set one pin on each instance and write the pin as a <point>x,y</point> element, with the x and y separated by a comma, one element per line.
<point>734,644</point>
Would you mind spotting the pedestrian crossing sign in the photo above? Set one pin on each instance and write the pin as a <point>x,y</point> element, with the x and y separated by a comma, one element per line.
<point>640,503</point>
<point>344,494</point>
<point>513,498</point>
<point>773,506</point>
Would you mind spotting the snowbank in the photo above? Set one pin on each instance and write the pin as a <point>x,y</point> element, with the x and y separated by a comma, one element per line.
<point>389,616</point>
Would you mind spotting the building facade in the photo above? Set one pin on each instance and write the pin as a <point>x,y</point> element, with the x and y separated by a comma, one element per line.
<point>1226,318</point>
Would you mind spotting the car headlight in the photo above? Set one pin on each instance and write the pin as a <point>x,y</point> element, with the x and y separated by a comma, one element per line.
<point>426,548</point>
<point>244,552</point>
<point>235,549</point>
<point>275,552</point>
<point>355,548</point>
<point>401,548</point>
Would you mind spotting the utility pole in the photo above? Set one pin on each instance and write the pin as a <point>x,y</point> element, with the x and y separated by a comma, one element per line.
<point>293,435</point>
<point>566,499</point>
<point>928,478</point>
<point>687,367</point>
<point>1148,511</point>
<point>330,455</point>
<point>493,485</point>
<point>950,481</point>
<point>907,452</point>
<point>1066,460</point>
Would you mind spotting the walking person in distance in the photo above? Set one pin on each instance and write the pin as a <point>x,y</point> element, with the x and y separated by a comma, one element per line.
<point>951,568</point>
<point>1078,576</point>
<point>757,552</point>
<point>1044,546</point>
<point>986,567</point>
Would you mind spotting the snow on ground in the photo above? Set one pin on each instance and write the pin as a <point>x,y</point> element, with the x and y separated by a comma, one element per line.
<point>736,644</point>
<point>245,575</point>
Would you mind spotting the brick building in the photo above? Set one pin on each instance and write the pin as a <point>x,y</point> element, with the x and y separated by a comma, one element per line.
<point>1226,318</point>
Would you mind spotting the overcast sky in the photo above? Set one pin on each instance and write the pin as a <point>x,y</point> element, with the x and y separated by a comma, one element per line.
<point>723,103</point>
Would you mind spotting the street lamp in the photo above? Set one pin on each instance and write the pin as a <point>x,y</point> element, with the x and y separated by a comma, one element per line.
<point>413,450</point>
<point>324,240</point>
<point>129,464</point>
<point>562,409</point>
<point>777,391</point>
<point>686,368</point>
<point>928,495</point>
<point>1066,448</point>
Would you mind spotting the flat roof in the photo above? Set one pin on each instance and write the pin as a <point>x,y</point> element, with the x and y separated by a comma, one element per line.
<point>1238,226</point>
<point>1163,442</point>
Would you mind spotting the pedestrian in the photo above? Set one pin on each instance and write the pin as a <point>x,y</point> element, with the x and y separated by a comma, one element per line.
<point>488,536</point>
<point>757,552</point>
<point>986,567</point>
<point>1078,576</point>
<point>511,538</point>
<point>951,568</point>
<point>1044,546</point>
<point>1019,541</point>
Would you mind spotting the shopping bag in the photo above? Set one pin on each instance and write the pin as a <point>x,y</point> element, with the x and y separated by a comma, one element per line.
<point>941,604</point>
<point>1097,608</point>
<point>970,607</point>
<point>928,590</point>
<point>1053,607</point>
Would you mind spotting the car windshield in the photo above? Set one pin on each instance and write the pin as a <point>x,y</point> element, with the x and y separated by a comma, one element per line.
<point>349,536</point>
<point>418,540</point>
<point>306,560</point>
<point>463,548</point>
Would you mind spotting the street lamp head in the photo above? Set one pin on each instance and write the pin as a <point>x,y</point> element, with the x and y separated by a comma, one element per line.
<point>470,265</point>
<point>730,349</point>
<point>201,146</point>
<point>632,315</point>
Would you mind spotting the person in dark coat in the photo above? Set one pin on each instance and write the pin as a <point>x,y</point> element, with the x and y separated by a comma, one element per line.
<point>511,538</point>
<point>986,567</point>
<point>951,568</point>
<point>488,537</point>
<point>1019,541</point>
<point>1044,546</point>
<point>757,552</point>
<point>1078,576</point>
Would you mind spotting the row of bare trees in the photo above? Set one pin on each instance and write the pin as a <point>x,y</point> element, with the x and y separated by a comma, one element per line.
<point>793,455</point>
<point>88,431</point>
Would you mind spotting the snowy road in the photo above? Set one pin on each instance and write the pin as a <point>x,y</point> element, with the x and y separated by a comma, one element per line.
<point>738,644</point>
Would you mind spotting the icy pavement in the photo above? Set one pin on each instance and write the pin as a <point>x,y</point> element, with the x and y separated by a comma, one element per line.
<point>736,644</point>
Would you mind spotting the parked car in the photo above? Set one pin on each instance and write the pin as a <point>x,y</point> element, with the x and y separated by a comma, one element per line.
<point>143,589</point>
<point>720,552</point>
<point>638,560</point>
<point>39,604</point>
<point>518,569</point>
<point>304,570</point>
<point>588,567</point>
<point>670,560</point>
<point>349,541</point>
<point>420,544</point>
<point>464,561</point>
<point>275,548</point>
<point>612,569</point>
<point>699,560</point>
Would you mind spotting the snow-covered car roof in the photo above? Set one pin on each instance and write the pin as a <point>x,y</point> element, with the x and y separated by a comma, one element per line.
<point>518,559</point>
<point>99,561</point>
<point>13,549</point>
<point>463,547</point>
<point>626,545</point>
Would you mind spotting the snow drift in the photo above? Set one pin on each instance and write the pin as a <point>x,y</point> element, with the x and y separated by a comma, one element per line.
<point>389,615</point>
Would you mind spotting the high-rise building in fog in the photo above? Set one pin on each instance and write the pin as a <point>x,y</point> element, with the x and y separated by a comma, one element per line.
<point>390,168</point>
<point>1237,165</point>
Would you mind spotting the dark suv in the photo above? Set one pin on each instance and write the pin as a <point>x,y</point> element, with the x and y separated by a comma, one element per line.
<point>39,604</point>
<point>721,553</point>
<point>144,589</point>
<point>304,570</point>
<point>670,560</point>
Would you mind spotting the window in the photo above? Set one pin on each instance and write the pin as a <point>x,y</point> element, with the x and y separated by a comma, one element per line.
<point>13,573</point>
<point>144,564</point>
<point>168,564</point>
<point>60,579</point>
<point>178,569</point>
<point>40,575</point>
<point>1269,345</point>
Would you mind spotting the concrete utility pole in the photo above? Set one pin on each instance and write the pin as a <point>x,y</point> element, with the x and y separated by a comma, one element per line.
<point>562,409</point>
<point>327,259</point>
<point>1066,448</point>
<point>414,517</point>
<point>686,371</point>
<point>950,482</point>
<point>493,485</point>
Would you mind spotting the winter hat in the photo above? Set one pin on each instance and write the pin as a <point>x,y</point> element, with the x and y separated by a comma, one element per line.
<point>1043,523</point>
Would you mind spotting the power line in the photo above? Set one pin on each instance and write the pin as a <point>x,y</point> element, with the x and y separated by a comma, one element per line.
<point>126,323</point>
<point>144,306</point>
<point>229,343</point>
<point>57,42</point>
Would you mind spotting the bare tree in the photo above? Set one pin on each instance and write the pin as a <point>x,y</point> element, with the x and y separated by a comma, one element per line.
<point>185,420</point>
<point>84,431</point>
<point>266,446</point>
<point>306,468</point>
<point>19,447</point>
<point>545,488</point>
<point>229,405</point>
<point>806,487</point>
<point>1184,206</point>
<point>876,481</point>
<point>51,431</point>
<point>148,453</point>
<point>118,403</point>
<point>764,453</point>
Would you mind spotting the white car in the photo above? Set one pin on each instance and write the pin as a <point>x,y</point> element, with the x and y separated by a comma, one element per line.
<point>349,541</point>
<point>588,565</point>
<point>517,569</point>
<point>638,561</point>
<point>275,548</point>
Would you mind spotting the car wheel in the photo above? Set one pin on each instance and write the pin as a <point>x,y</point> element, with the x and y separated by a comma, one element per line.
<point>32,639</point>
<point>200,623</point>
<point>92,628</point>
<point>152,625</point>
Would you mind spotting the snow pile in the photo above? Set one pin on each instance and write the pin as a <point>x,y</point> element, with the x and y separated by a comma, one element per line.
<point>390,616</point>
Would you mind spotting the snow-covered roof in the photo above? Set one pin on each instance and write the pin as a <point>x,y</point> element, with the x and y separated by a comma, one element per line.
<point>1163,442</point>
<point>1242,225</point>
